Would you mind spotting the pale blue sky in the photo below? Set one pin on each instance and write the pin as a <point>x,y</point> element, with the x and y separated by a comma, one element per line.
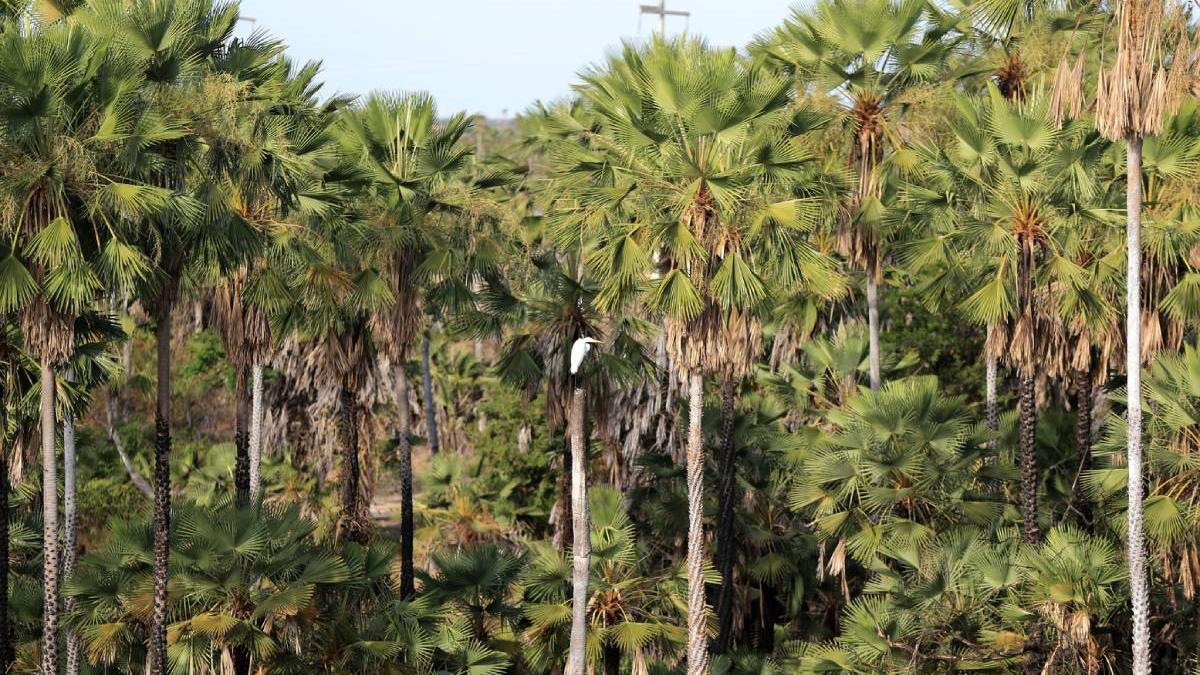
<point>486,56</point>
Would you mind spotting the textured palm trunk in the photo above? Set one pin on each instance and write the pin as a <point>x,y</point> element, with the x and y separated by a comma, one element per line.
<point>697,647</point>
<point>991,409</point>
<point>404,455</point>
<point>431,426</point>
<point>1029,472</point>
<point>162,494</point>
<point>562,504</point>
<point>726,536</point>
<point>1027,395</point>
<point>256,422</point>
<point>873,330</point>
<point>49,523</point>
<point>581,550</point>
<point>1139,589</point>
<point>352,528</point>
<point>69,531</point>
<point>241,441</point>
<point>1084,404</point>
<point>6,651</point>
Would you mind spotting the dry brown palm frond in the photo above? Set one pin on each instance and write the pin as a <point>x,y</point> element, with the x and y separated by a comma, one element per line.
<point>244,330</point>
<point>48,334</point>
<point>396,326</point>
<point>1066,94</point>
<point>1140,89</point>
<point>719,342</point>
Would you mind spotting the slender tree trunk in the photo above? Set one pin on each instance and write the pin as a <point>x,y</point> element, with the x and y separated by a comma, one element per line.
<point>162,494</point>
<point>771,609</point>
<point>241,485</point>
<point>990,405</point>
<point>612,659</point>
<point>873,330</point>
<point>697,649</point>
<point>581,551</point>
<point>404,455</point>
<point>562,505</point>
<point>241,441</point>
<point>431,426</point>
<point>1083,434</point>
<point>6,651</point>
<point>111,407</point>
<point>726,539</point>
<point>351,522</point>
<point>1029,471</point>
<point>991,409</point>
<point>49,523</point>
<point>256,422</point>
<point>69,529</point>
<point>1133,368</point>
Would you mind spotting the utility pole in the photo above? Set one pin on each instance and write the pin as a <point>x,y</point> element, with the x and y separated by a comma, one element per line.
<point>661,10</point>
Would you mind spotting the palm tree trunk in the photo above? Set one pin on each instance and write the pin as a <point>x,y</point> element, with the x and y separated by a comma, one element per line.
<point>69,534</point>
<point>769,613</point>
<point>427,388</point>
<point>6,651</point>
<point>873,330</point>
<point>612,659</point>
<point>697,649</point>
<point>1029,472</point>
<point>49,523</point>
<point>1133,371</point>
<point>990,406</point>
<point>404,452</point>
<point>162,493</point>
<point>1083,435</point>
<point>581,551</point>
<point>241,441</point>
<point>352,528</point>
<point>726,536</point>
<point>562,504</point>
<point>256,422</point>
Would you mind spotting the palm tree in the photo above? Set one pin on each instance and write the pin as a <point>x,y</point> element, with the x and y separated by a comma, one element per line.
<point>262,164</point>
<point>868,54</point>
<point>413,161</point>
<point>174,45</point>
<point>1035,190</point>
<point>709,193</point>
<point>1132,98</point>
<point>70,234</point>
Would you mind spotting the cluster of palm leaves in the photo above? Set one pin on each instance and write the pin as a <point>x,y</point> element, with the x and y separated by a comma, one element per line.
<point>765,463</point>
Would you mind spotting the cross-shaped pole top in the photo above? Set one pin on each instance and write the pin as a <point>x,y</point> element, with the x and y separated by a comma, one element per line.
<point>661,10</point>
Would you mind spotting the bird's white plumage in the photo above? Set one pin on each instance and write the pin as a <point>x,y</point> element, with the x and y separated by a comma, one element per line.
<point>580,350</point>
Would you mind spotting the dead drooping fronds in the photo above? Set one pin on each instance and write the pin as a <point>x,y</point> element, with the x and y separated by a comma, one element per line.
<point>242,326</point>
<point>720,342</point>
<point>1066,95</point>
<point>1149,75</point>
<point>395,326</point>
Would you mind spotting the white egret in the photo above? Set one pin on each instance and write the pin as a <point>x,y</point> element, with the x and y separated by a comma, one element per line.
<point>580,350</point>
